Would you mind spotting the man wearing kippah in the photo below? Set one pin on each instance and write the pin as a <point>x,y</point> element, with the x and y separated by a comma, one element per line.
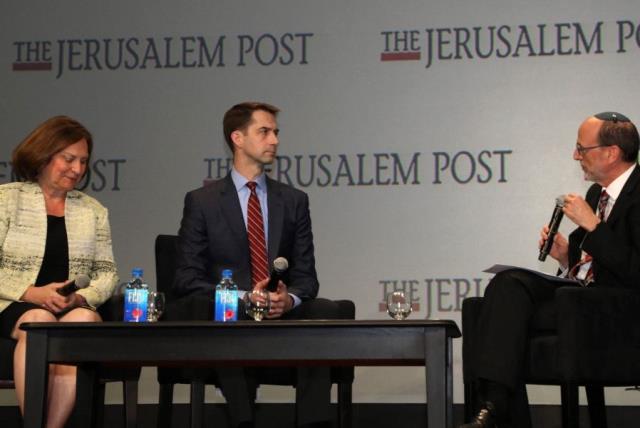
<point>603,251</point>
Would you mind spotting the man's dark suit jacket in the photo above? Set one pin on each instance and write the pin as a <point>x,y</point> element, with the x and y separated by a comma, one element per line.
<point>614,244</point>
<point>213,237</point>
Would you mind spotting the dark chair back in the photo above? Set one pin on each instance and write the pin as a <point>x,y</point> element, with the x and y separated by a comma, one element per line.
<point>166,249</point>
<point>6,363</point>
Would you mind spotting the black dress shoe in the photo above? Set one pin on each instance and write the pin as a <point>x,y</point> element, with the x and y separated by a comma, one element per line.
<point>486,418</point>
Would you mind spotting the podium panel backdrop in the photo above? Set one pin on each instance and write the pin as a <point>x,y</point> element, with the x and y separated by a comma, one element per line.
<point>432,137</point>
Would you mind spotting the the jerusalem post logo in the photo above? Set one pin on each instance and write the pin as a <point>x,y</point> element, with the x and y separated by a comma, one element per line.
<point>33,56</point>
<point>401,46</point>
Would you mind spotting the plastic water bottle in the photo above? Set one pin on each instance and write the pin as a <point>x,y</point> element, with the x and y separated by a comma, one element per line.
<point>136,294</point>
<point>226,304</point>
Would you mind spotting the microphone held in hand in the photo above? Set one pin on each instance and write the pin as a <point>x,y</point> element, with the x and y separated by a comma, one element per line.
<point>81,281</point>
<point>280,266</point>
<point>556,218</point>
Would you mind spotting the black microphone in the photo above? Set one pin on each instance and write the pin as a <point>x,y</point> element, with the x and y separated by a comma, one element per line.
<point>81,281</point>
<point>556,218</point>
<point>280,266</point>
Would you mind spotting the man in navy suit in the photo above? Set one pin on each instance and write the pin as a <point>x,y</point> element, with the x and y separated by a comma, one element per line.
<point>603,251</point>
<point>214,236</point>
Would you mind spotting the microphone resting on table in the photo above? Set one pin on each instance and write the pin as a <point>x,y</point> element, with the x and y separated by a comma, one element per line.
<point>81,281</point>
<point>556,218</point>
<point>280,266</point>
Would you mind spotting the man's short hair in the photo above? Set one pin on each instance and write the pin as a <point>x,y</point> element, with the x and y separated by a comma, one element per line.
<point>618,130</point>
<point>238,118</point>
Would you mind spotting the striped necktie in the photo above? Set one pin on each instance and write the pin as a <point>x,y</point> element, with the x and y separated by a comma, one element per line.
<point>602,205</point>
<point>257,243</point>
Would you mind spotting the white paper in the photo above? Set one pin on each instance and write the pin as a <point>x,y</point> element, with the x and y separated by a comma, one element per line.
<point>501,268</point>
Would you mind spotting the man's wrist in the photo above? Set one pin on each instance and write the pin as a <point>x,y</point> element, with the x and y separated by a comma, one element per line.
<point>295,300</point>
<point>593,226</point>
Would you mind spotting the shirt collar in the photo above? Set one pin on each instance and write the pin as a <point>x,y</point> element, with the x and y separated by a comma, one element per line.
<point>616,185</point>
<point>239,181</point>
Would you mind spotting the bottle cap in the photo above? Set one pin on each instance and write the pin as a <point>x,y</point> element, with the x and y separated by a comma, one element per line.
<point>227,273</point>
<point>137,272</point>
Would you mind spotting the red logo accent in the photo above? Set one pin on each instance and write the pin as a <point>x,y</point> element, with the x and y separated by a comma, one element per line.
<point>400,56</point>
<point>228,314</point>
<point>32,66</point>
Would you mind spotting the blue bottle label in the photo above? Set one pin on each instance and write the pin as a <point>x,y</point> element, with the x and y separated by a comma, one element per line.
<point>135,305</point>
<point>226,308</point>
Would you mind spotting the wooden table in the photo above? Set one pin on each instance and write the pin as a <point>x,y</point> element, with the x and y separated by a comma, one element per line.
<point>288,343</point>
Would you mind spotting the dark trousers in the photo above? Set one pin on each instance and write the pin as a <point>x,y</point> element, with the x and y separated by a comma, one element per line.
<point>515,302</point>
<point>238,384</point>
<point>313,384</point>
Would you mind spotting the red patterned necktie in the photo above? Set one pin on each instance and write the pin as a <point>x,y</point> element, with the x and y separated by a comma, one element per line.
<point>257,243</point>
<point>602,204</point>
<point>602,209</point>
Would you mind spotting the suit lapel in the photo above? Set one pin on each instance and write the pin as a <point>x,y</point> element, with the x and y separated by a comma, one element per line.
<point>594,197</point>
<point>624,199</point>
<point>621,206</point>
<point>231,210</point>
<point>276,216</point>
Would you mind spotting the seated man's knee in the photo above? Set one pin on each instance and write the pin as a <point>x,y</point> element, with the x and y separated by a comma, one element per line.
<point>514,285</point>
<point>507,279</point>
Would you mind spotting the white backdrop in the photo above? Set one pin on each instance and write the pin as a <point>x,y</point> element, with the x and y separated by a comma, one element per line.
<point>432,137</point>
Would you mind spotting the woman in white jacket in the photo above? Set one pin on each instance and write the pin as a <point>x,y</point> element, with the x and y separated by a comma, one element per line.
<point>49,234</point>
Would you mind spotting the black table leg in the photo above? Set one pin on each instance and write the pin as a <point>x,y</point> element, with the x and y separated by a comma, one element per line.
<point>37,379</point>
<point>438,360</point>
<point>197,403</point>
<point>131,403</point>
<point>86,384</point>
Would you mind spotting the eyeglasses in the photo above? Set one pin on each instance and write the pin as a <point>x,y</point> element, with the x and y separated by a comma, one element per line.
<point>582,150</point>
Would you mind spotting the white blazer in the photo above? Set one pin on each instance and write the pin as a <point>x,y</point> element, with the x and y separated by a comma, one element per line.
<point>23,234</point>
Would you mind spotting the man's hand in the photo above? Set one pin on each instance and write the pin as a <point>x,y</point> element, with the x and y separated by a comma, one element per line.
<point>560,248</point>
<point>281,301</point>
<point>47,296</point>
<point>579,211</point>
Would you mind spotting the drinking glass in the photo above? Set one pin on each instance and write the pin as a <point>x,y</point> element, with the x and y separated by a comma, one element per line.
<point>155,305</point>
<point>257,304</point>
<point>398,305</point>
